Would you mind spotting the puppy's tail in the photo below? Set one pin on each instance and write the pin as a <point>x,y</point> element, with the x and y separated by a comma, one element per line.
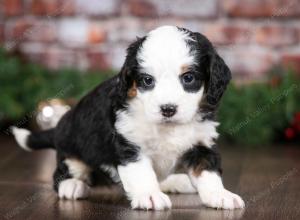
<point>34,140</point>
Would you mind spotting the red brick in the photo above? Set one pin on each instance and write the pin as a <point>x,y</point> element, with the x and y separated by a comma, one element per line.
<point>1,33</point>
<point>12,7</point>
<point>19,29</point>
<point>66,8</point>
<point>291,61</point>
<point>32,30</point>
<point>287,8</point>
<point>225,34</point>
<point>262,8</point>
<point>142,8</point>
<point>52,57</point>
<point>53,8</point>
<point>58,58</point>
<point>80,32</point>
<point>276,35</point>
<point>298,35</point>
<point>43,31</point>
<point>96,35</point>
<point>97,60</point>
<point>45,7</point>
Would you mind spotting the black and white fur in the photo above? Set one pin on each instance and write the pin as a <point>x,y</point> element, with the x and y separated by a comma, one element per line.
<point>151,127</point>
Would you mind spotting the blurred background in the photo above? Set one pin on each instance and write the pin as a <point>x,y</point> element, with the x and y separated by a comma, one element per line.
<point>55,51</point>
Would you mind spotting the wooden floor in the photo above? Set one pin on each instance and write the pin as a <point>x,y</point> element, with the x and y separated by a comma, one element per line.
<point>267,178</point>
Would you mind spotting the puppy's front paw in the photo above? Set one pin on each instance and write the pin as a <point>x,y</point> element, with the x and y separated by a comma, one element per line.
<point>221,199</point>
<point>73,189</point>
<point>154,201</point>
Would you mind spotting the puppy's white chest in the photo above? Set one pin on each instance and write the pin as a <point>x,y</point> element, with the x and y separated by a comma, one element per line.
<point>164,144</point>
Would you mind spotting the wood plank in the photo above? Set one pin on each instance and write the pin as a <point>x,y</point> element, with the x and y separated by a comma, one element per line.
<point>267,177</point>
<point>268,183</point>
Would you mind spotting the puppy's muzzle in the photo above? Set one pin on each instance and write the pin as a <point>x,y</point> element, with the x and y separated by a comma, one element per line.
<point>168,110</point>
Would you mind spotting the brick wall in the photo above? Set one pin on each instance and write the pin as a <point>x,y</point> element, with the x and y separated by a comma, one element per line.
<point>252,35</point>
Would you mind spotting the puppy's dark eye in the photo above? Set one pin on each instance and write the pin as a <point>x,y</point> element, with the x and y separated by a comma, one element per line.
<point>148,81</point>
<point>145,82</point>
<point>191,81</point>
<point>188,78</point>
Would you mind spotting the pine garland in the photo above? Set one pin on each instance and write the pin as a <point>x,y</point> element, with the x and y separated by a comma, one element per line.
<point>258,114</point>
<point>253,114</point>
<point>24,85</point>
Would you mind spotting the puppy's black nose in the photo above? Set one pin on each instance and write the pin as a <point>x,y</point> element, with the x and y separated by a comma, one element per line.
<point>168,110</point>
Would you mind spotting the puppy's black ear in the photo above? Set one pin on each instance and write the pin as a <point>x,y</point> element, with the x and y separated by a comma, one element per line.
<point>218,78</point>
<point>129,69</point>
<point>218,74</point>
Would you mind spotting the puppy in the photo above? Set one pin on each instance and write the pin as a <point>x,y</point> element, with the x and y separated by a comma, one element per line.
<point>151,127</point>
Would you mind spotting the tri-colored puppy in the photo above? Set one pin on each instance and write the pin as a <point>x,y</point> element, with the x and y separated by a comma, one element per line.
<point>156,117</point>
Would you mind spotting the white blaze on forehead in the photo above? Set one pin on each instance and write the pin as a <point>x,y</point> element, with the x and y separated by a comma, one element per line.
<point>165,51</point>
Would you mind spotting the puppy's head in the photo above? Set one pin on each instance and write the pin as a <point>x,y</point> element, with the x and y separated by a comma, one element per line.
<point>172,75</point>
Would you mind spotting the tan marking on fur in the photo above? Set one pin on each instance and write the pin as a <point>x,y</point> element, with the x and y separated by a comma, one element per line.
<point>184,68</point>
<point>132,92</point>
<point>78,169</point>
<point>198,170</point>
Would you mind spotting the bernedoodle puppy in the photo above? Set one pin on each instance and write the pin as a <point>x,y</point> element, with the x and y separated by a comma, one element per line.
<point>151,127</point>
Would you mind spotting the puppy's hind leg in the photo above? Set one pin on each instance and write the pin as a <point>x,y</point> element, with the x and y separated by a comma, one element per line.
<point>72,179</point>
<point>177,183</point>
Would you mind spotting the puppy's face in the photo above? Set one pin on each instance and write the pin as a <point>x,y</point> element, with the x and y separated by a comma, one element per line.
<point>169,74</point>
